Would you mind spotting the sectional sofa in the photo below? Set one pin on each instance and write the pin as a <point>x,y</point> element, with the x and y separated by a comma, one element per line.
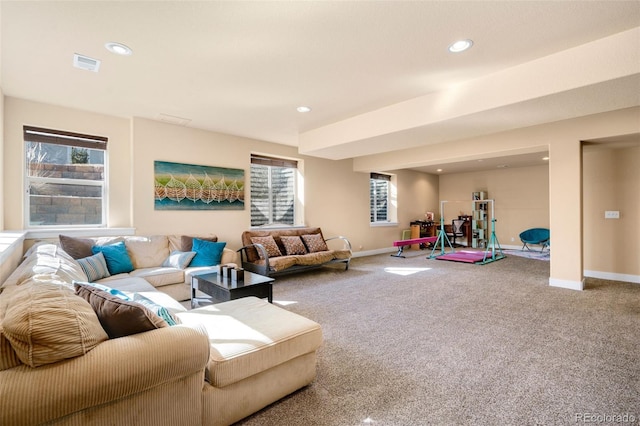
<point>122,351</point>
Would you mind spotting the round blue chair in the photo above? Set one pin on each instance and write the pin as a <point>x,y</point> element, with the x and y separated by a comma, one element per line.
<point>535,236</point>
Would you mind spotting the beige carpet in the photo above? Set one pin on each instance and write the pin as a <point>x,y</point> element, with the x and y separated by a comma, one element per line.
<point>416,341</point>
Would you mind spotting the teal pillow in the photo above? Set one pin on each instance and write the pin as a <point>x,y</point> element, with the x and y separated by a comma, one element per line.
<point>111,291</point>
<point>118,260</point>
<point>95,267</point>
<point>207,253</point>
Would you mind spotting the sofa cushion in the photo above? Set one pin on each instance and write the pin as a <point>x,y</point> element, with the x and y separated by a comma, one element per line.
<point>117,257</point>
<point>156,308</point>
<point>95,267</point>
<point>179,259</point>
<point>250,335</point>
<point>47,323</point>
<point>160,276</point>
<point>314,243</point>
<point>208,253</point>
<point>146,252</point>
<point>269,245</point>
<point>293,245</point>
<point>186,241</point>
<point>77,248</point>
<point>316,258</point>
<point>119,317</point>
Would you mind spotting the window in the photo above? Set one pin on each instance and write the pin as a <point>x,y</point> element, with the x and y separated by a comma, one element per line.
<point>273,190</point>
<point>379,186</point>
<point>65,175</point>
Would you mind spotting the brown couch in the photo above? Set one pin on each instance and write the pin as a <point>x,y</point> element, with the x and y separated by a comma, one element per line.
<point>273,252</point>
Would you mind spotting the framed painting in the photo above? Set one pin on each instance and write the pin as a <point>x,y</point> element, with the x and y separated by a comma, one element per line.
<point>193,187</point>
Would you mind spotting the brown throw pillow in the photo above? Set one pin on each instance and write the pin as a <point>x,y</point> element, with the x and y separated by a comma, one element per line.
<point>119,317</point>
<point>314,243</point>
<point>293,245</point>
<point>186,241</point>
<point>78,248</point>
<point>269,244</point>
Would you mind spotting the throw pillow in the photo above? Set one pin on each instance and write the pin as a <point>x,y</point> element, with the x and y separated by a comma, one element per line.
<point>269,245</point>
<point>161,311</point>
<point>119,317</point>
<point>78,248</point>
<point>47,323</point>
<point>179,259</point>
<point>118,260</point>
<point>186,241</point>
<point>207,253</point>
<point>293,245</point>
<point>95,267</point>
<point>314,243</point>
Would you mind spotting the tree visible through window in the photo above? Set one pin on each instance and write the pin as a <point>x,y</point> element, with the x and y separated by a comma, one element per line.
<point>273,195</point>
<point>379,197</point>
<point>65,175</point>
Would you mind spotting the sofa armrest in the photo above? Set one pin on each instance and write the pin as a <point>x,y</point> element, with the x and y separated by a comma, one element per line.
<point>254,267</point>
<point>346,242</point>
<point>114,370</point>
<point>228,256</point>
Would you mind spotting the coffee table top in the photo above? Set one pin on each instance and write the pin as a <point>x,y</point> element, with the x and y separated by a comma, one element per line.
<point>248,280</point>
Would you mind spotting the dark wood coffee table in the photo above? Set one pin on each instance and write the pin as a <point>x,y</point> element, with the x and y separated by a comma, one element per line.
<point>222,289</point>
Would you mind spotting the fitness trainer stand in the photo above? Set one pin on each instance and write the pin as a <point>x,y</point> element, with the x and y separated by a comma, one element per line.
<point>442,236</point>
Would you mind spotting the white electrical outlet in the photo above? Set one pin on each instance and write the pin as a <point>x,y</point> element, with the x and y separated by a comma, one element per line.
<point>612,214</point>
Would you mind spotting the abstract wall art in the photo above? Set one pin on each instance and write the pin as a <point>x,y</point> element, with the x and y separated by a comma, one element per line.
<point>192,187</point>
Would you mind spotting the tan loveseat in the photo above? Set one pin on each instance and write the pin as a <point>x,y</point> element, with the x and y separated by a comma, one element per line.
<point>283,251</point>
<point>219,364</point>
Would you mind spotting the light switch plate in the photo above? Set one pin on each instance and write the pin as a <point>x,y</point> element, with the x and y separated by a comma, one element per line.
<point>612,214</point>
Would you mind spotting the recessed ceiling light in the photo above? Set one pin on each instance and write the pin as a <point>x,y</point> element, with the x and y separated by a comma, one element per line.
<point>438,170</point>
<point>460,46</point>
<point>502,166</point>
<point>303,109</point>
<point>545,158</point>
<point>118,48</point>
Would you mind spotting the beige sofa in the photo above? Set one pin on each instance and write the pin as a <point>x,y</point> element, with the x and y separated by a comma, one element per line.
<point>283,251</point>
<point>220,364</point>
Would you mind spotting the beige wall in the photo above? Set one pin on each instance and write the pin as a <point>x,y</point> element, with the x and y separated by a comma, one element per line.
<point>521,198</point>
<point>612,182</point>
<point>19,112</point>
<point>3,171</point>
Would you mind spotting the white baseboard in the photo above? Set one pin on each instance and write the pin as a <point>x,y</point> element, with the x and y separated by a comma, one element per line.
<point>613,276</point>
<point>571,285</point>
<point>374,252</point>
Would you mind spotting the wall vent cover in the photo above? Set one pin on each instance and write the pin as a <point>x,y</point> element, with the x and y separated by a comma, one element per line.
<point>85,63</point>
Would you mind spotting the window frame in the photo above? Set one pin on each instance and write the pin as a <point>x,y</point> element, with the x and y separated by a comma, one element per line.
<point>32,134</point>
<point>376,179</point>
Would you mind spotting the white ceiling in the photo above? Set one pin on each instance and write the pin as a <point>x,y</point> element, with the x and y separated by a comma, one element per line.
<point>242,67</point>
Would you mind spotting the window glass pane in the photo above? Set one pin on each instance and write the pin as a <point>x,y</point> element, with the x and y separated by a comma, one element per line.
<point>63,204</point>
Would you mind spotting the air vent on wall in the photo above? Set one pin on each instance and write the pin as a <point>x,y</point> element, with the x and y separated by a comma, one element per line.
<point>85,62</point>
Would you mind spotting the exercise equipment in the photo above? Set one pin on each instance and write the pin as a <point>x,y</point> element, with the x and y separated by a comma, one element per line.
<point>402,243</point>
<point>492,252</point>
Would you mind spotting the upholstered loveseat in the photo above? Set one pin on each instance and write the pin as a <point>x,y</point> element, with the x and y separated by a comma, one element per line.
<point>283,251</point>
<point>79,353</point>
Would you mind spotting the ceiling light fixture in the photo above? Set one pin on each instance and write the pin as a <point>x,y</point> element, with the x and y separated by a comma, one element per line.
<point>303,109</point>
<point>460,46</point>
<point>118,48</point>
<point>545,158</point>
<point>438,170</point>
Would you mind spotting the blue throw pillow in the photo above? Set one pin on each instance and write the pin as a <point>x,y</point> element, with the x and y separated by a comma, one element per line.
<point>111,291</point>
<point>118,260</point>
<point>207,253</point>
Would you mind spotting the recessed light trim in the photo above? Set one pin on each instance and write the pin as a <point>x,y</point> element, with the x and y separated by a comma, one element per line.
<point>303,109</point>
<point>460,46</point>
<point>118,48</point>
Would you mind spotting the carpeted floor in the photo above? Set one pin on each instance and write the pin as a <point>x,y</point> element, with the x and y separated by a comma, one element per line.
<point>416,341</point>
